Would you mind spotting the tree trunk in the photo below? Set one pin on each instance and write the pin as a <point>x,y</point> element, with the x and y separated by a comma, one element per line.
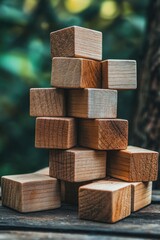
<point>146,131</point>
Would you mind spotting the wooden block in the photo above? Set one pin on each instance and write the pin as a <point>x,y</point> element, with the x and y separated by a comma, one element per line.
<point>44,171</point>
<point>76,42</point>
<point>103,134</point>
<point>133,164</point>
<point>55,133</point>
<point>141,195</point>
<point>30,192</point>
<point>75,73</point>
<point>77,164</point>
<point>119,74</point>
<point>69,191</point>
<point>47,102</point>
<point>105,201</point>
<point>92,103</point>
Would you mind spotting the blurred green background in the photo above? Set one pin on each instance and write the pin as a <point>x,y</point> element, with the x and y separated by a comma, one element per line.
<point>25,62</point>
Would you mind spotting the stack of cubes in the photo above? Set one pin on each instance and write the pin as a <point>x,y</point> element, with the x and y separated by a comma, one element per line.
<point>89,152</point>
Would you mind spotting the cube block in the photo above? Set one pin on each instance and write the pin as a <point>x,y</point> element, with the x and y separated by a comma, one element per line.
<point>30,192</point>
<point>58,133</point>
<point>76,42</point>
<point>75,73</point>
<point>103,134</point>
<point>92,103</point>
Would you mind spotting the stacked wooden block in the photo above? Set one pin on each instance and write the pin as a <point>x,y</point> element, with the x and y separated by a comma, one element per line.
<point>89,152</point>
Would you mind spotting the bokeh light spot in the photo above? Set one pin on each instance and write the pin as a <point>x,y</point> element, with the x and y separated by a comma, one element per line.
<point>76,6</point>
<point>109,10</point>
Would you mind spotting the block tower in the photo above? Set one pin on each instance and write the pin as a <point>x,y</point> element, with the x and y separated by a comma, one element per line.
<point>88,145</point>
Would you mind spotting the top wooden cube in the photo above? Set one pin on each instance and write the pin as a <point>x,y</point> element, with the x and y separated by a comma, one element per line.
<point>76,42</point>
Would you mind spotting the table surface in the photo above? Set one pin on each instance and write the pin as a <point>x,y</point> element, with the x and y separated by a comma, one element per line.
<point>63,223</point>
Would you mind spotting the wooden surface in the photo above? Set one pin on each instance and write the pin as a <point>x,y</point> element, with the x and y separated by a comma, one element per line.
<point>141,195</point>
<point>76,42</point>
<point>64,224</point>
<point>75,73</point>
<point>92,103</point>
<point>133,164</point>
<point>30,192</point>
<point>77,164</point>
<point>44,171</point>
<point>47,102</point>
<point>55,132</point>
<point>103,134</point>
<point>105,201</point>
<point>119,74</point>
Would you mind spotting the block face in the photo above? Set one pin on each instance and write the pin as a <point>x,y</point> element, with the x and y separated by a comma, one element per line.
<point>47,102</point>
<point>119,74</point>
<point>34,192</point>
<point>141,195</point>
<point>44,171</point>
<point>58,133</point>
<point>77,164</point>
<point>75,73</point>
<point>76,42</point>
<point>105,201</point>
<point>103,134</point>
<point>92,103</point>
<point>133,164</point>
<point>62,42</point>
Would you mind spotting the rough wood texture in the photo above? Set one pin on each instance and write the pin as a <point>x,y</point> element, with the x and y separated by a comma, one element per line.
<point>119,74</point>
<point>92,103</point>
<point>47,102</point>
<point>77,164</point>
<point>141,195</point>
<point>76,42</point>
<point>103,134</point>
<point>133,164</point>
<point>55,133</point>
<point>75,73</point>
<point>30,192</point>
<point>69,191</point>
<point>44,171</point>
<point>105,201</point>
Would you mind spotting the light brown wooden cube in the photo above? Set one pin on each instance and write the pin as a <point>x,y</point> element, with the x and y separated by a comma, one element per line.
<point>75,73</point>
<point>119,74</point>
<point>141,195</point>
<point>103,134</point>
<point>133,164</point>
<point>77,164</point>
<point>76,42</point>
<point>58,133</point>
<point>44,171</point>
<point>47,102</point>
<point>105,201</point>
<point>92,103</point>
<point>30,192</point>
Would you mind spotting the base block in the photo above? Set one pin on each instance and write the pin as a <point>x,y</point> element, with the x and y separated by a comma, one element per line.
<point>133,164</point>
<point>105,201</point>
<point>30,192</point>
<point>103,134</point>
<point>77,164</point>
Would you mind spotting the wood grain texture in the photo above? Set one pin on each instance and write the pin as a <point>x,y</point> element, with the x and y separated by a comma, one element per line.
<point>76,42</point>
<point>133,164</point>
<point>92,103</point>
<point>77,164</point>
<point>30,192</point>
<point>103,134</point>
<point>75,73</point>
<point>141,195</point>
<point>44,171</point>
<point>105,201</point>
<point>69,191</point>
<point>119,74</point>
<point>47,102</point>
<point>58,133</point>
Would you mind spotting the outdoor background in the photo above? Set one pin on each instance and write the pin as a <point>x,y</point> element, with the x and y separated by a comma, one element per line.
<point>25,62</point>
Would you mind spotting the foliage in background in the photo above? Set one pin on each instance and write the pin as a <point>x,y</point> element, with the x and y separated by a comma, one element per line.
<point>25,62</point>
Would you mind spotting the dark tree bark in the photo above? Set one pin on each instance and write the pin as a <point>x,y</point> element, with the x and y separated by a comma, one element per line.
<point>147,121</point>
